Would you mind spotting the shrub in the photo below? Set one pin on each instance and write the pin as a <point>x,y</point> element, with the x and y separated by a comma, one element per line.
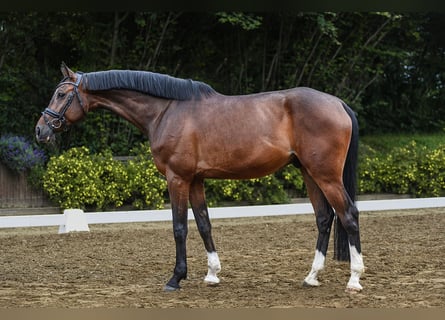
<point>267,190</point>
<point>18,154</point>
<point>77,179</point>
<point>411,169</point>
<point>293,180</point>
<point>146,184</point>
<point>73,180</point>
<point>115,180</point>
<point>431,173</point>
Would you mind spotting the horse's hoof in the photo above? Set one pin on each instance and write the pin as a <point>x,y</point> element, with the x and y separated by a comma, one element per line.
<point>311,284</point>
<point>211,280</point>
<point>168,288</point>
<point>353,290</point>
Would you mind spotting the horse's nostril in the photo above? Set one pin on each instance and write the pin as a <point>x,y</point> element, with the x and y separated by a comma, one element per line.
<point>37,132</point>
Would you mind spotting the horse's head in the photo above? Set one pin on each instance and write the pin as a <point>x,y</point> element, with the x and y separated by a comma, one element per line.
<point>65,108</point>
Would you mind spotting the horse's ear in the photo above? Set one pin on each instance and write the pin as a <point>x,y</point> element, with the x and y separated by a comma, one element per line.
<point>67,72</point>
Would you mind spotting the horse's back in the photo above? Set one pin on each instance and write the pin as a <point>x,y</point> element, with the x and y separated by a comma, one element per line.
<point>251,135</point>
<point>309,100</point>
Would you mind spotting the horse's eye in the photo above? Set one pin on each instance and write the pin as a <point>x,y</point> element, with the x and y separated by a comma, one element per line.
<point>61,95</point>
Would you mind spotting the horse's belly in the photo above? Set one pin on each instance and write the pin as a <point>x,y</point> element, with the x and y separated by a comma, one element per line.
<point>242,164</point>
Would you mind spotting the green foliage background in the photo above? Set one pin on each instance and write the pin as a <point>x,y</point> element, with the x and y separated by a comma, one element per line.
<point>414,168</point>
<point>79,179</point>
<point>388,66</point>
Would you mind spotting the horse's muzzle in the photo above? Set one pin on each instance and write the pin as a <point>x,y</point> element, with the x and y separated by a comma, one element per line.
<point>44,134</point>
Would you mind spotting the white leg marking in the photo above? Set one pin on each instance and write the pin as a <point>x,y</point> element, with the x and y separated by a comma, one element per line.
<point>214,266</point>
<point>357,268</point>
<point>317,266</point>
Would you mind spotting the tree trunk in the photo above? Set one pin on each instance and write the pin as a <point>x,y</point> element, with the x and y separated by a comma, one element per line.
<point>114,41</point>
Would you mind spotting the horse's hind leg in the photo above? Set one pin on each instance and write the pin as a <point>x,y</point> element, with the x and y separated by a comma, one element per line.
<point>200,211</point>
<point>324,217</point>
<point>348,214</point>
<point>351,223</point>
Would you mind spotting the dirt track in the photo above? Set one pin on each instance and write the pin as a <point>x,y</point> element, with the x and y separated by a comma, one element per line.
<point>264,261</point>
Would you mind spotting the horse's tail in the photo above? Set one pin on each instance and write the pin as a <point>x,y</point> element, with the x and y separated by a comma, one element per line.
<point>341,244</point>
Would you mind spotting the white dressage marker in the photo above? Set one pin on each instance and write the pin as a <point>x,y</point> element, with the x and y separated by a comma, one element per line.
<point>75,220</point>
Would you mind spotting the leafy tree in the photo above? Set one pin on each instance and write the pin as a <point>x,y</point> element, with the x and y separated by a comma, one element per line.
<point>409,96</point>
<point>388,66</point>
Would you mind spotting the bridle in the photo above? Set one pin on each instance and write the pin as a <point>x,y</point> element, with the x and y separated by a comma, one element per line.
<point>59,120</point>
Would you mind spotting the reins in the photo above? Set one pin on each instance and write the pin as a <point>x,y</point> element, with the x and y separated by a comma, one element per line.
<point>59,120</point>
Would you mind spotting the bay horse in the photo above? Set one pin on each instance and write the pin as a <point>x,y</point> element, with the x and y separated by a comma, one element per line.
<point>197,133</point>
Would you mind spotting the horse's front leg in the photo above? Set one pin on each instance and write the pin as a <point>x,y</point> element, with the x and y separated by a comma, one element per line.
<point>200,211</point>
<point>179,193</point>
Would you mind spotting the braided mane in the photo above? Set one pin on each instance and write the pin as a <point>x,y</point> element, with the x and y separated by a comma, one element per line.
<point>154,84</point>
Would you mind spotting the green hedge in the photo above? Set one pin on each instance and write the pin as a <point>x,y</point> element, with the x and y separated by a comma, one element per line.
<point>272,189</point>
<point>79,179</point>
<point>412,169</point>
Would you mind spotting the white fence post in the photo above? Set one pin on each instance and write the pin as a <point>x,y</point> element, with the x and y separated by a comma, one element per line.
<point>74,220</point>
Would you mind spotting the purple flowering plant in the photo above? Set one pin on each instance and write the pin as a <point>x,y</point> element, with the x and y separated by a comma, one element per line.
<point>18,154</point>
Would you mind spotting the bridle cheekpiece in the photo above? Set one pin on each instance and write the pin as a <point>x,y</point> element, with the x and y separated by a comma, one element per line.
<point>59,120</point>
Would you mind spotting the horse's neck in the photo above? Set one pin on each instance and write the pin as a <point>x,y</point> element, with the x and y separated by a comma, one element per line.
<point>139,109</point>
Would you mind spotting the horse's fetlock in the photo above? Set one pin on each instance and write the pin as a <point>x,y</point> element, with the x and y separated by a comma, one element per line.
<point>180,271</point>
